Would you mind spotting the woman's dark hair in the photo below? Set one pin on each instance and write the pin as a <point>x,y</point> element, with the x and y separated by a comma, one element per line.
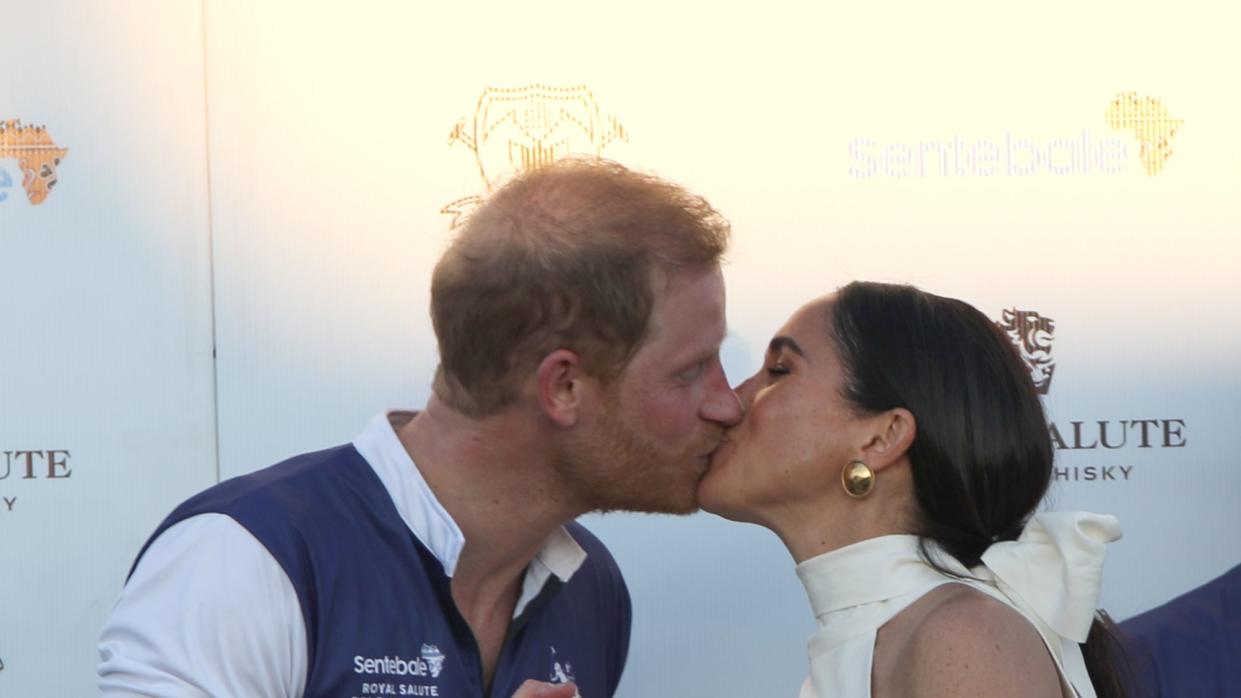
<point>982,456</point>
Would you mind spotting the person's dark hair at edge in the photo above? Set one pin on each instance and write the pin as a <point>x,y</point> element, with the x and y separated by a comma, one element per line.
<point>982,456</point>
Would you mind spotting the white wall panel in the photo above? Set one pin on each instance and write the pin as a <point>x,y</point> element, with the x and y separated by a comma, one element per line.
<point>332,160</point>
<point>105,305</point>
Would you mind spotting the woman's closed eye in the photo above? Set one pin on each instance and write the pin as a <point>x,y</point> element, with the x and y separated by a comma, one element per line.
<point>777,370</point>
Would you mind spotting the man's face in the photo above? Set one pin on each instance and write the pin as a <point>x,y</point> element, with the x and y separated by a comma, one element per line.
<point>664,414</point>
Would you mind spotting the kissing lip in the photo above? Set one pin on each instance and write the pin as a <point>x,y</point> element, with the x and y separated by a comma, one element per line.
<point>716,449</point>
<point>710,457</point>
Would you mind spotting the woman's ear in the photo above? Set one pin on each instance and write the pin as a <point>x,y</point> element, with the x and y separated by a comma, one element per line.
<point>559,386</point>
<point>893,434</point>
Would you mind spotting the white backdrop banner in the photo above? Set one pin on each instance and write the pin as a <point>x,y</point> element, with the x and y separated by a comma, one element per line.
<point>1071,170</point>
<point>106,385</point>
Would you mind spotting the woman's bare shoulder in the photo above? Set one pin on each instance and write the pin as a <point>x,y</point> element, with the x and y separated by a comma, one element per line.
<point>962,642</point>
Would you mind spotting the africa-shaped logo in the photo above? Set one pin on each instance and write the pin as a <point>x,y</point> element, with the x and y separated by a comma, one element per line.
<point>519,129</point>
<point>434,658</point>
<point>37,157</point>
<point>1150,123</point>
<point>1032,334</point>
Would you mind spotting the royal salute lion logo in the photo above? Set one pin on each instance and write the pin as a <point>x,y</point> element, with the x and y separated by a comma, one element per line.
<point>37,157</point>
<point>1032,334</point>
<point>516,130</point>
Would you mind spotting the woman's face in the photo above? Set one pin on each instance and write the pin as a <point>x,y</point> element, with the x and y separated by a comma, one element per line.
<point>798,432</point>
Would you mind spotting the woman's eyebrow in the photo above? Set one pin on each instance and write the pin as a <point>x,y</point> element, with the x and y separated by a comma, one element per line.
<point>782,342</point>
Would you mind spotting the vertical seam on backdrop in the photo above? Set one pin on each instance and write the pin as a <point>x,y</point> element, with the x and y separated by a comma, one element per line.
<point>215,359</point>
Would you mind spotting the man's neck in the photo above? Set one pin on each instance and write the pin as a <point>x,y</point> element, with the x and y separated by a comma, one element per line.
<point>493,477</point>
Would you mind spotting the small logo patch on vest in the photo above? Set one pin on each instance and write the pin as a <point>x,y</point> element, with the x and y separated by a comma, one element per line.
<point>397,676</point>
<point>562,671</point>
<point>434,658</point>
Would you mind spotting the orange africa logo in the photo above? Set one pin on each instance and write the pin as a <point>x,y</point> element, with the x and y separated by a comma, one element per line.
<point>1150,122</point>
<point>515,130</point>
<point>36,154</point>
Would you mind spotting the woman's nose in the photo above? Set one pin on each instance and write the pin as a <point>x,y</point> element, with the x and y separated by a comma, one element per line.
<point>746,392</point>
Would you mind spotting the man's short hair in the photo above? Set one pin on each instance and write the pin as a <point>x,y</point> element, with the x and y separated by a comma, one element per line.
<point>562,257</point>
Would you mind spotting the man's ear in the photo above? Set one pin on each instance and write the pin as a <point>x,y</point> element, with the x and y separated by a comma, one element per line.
<point>559,386</point>
<point>892,435</point>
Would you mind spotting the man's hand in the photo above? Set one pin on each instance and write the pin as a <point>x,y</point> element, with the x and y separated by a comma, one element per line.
<point>539,689</point>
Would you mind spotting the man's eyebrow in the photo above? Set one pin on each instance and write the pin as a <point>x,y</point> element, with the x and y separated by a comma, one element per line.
<point>782,342</point>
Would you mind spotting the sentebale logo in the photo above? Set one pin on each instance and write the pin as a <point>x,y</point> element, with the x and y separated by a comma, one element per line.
<point>519,129</point>
<point>37,157</point>
<point>1151,124</point>
<point>1018,153</point>
<point>391,666</point>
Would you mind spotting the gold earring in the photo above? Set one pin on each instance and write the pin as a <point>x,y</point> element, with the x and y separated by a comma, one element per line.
<point>858,479</point>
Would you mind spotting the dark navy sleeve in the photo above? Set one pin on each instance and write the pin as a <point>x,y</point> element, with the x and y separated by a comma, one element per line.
<point>1190,646</point>
<point>613,601</point>
<point>624,621</point>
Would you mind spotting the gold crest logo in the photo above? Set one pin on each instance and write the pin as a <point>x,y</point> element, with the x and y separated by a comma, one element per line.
<point>516,130</point>
<point>1032,334</point>
<point>1150,122</point>
<point>36,154</point>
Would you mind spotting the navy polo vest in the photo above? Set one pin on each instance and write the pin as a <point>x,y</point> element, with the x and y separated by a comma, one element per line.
<point>379,614</point>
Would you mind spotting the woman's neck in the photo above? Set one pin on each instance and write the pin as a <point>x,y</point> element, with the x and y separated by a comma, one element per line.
<point>809,531</point>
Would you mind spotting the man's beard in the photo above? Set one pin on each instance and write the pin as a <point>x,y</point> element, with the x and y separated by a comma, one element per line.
<point>614,468</point>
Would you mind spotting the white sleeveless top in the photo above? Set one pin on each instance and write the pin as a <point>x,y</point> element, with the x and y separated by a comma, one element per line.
<point>1050,575</point>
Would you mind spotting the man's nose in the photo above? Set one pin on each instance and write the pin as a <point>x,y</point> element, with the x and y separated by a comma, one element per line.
<point>722,405</point>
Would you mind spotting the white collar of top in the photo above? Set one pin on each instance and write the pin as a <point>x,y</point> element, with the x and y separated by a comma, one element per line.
<point>430,522</point>
<point>1055,568</point>
<point>1051,573</point>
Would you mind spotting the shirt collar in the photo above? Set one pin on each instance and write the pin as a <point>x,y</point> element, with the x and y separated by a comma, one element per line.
<point>1052,572</point>
<point>871,570</point>
<point>560,556</point>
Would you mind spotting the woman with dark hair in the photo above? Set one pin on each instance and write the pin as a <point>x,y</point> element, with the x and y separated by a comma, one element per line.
<point>895,443</point>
